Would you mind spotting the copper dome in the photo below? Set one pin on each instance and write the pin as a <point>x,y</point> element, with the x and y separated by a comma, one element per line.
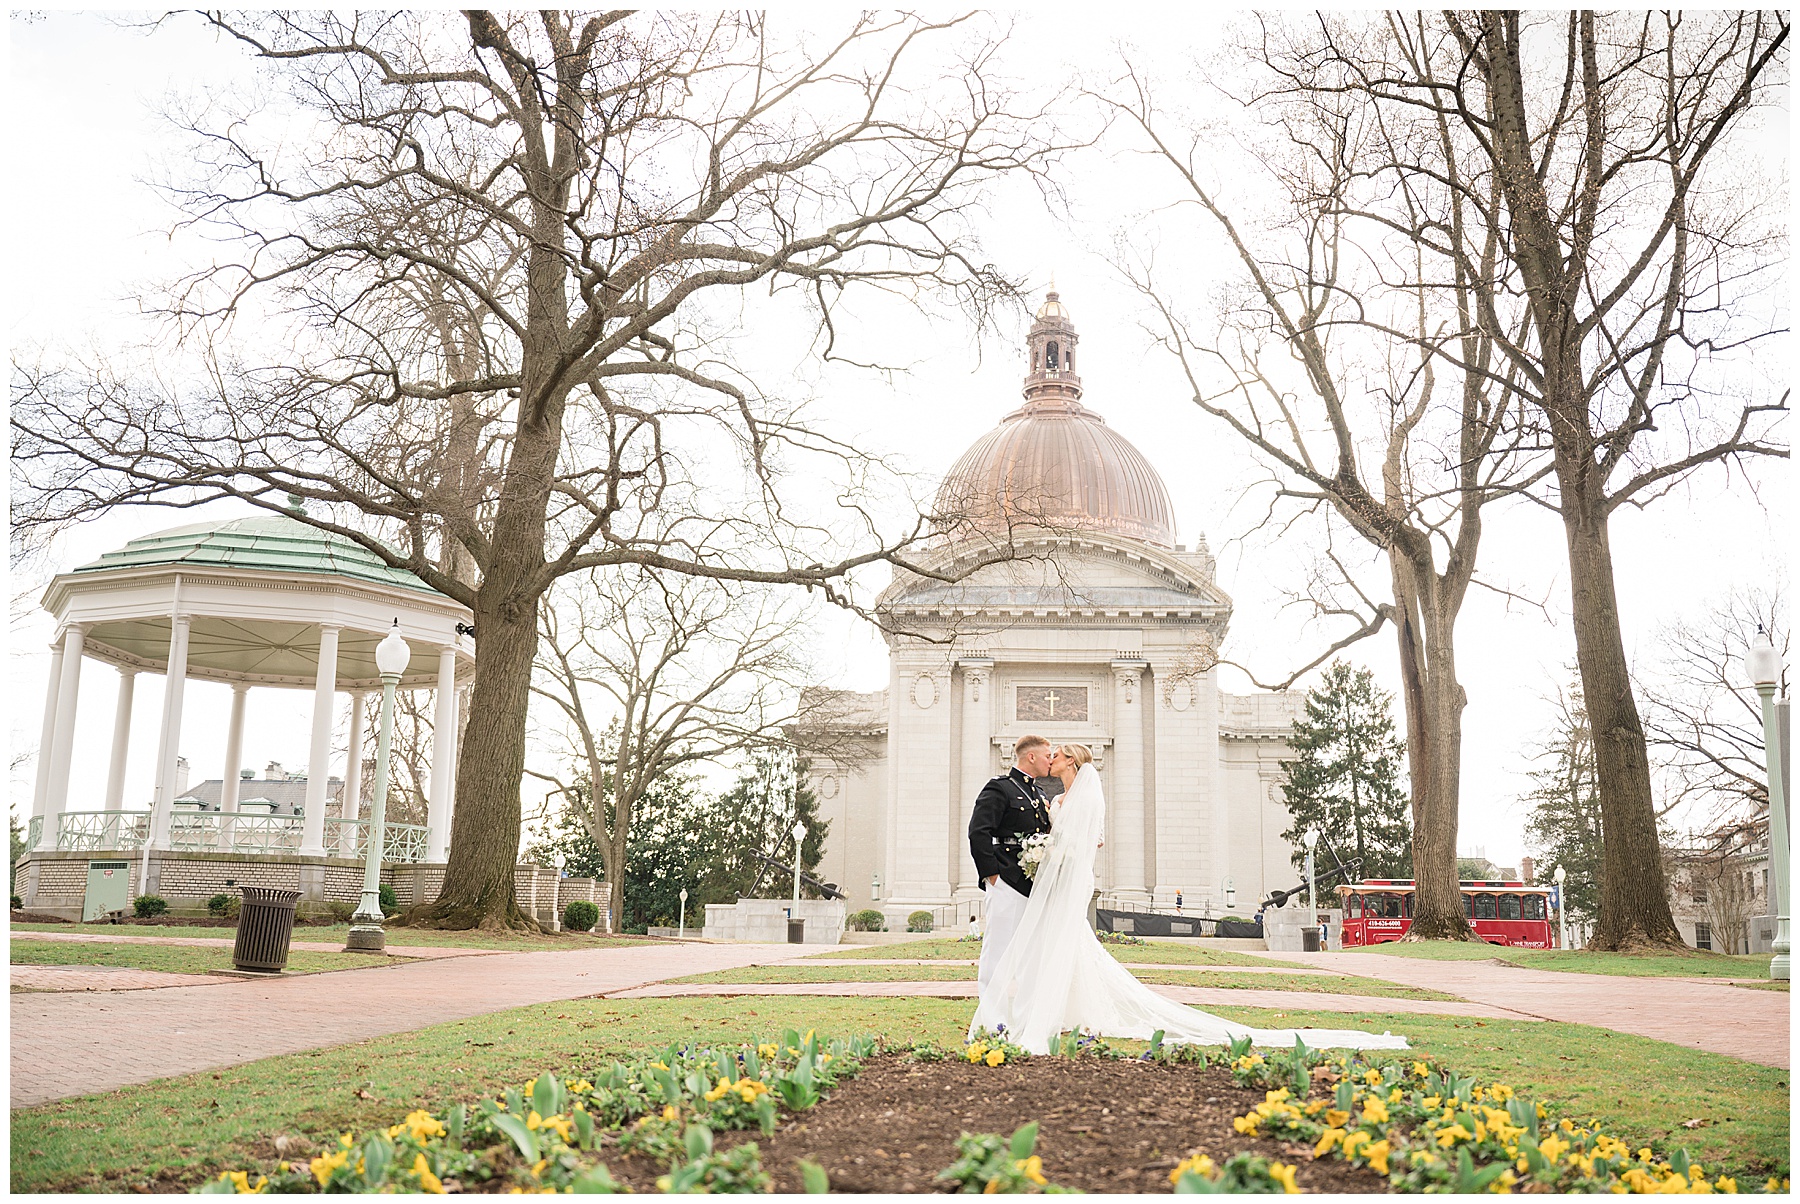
<point>1055,463</point>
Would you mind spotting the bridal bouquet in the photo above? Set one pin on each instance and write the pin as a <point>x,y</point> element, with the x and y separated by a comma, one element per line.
<point>1031,853</point>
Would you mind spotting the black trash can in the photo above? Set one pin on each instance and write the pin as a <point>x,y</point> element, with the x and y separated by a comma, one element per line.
<point>265,926</point>
<point>796,931</point>
<point>1309,938</point>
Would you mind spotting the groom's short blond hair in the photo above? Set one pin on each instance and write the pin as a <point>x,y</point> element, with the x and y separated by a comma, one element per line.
<point>1027,743</point>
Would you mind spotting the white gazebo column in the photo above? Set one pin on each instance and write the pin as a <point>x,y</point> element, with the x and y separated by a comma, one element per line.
<point>977,767</point>
<point>234,760</point>
<point>318,762</point>
<point>350,807</point>
<point>121,745</point>
<point>443,759</point>
<point>62,742</point>
<point>169,746</point>
<point>47,735</point>
<point>1128,780</point>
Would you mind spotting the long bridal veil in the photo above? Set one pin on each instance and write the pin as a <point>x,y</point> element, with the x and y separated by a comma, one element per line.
<point>1056,977</point>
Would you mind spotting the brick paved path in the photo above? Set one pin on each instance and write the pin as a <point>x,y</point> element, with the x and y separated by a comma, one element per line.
<point>74,1043</point>
<point>1204,996</point>
<point>103,978</point>
<point>1714,1016</point>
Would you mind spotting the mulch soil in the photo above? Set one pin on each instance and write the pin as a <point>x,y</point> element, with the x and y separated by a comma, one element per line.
<point>1103,1126</point>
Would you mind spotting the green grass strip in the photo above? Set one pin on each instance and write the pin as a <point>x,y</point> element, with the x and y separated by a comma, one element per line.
<point>519,942</point>
<point>1167,953</point>
<point>177,959</point>
<point>1696,963</point>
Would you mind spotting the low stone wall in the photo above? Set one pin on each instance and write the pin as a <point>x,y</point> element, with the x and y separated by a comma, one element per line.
<point>56,882</point>
<point>766,920</point>
<point>1281,928</point>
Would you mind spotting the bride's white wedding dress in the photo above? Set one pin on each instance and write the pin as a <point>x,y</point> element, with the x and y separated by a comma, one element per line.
<point>1056,977</point>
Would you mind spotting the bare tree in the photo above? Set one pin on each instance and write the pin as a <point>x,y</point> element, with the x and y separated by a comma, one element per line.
<point>1322,365</point>
<point>1702,717</point>
<point>501,261</point>
<point>652,673</point>
<point>1610,154</point>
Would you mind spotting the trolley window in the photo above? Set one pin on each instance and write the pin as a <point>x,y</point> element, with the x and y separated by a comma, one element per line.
<point>1353,905</point>
<point>1509,907</point>
<point>1484,907</point>
<point>1534,907</point>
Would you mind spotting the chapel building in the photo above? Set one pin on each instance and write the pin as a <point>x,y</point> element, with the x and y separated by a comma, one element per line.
<point>1095,627</point>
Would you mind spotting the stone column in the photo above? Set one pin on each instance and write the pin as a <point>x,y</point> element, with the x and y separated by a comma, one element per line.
<point>121,744</point>
<point>47,734</point>
<point>350,806</point>
<point>169,745</point>
<point>977,767</point>
<point>318,762</point>
<point>62,744</point>
<point>1127,811</point>
<point>234,762</point>
<point>924,779</point>
<point>443,759</point>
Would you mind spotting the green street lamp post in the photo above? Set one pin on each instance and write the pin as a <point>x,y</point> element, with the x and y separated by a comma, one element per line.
<point>1764,664</point>
<point>366,935</point>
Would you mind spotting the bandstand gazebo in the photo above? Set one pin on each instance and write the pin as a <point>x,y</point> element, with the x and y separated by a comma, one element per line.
<point>259,602</point>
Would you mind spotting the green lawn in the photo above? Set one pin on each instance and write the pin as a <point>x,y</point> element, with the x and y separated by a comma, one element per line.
<point>434,938</point>
<point>1694,964</point>
<point>177,959</point>
<point>824,973</point>
<point>178,1132</point>
<point>940,949</point>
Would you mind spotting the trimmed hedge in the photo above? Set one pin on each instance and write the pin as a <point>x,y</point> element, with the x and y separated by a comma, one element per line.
<point>919,921</point>
<point>867,920</point>
<point>581,916</point>
<point>146,906</point>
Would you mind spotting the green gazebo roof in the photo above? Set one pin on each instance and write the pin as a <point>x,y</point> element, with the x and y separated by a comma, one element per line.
<point>271,543</point>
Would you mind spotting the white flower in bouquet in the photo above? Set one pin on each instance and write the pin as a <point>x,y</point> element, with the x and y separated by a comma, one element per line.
<point>1031,853</point>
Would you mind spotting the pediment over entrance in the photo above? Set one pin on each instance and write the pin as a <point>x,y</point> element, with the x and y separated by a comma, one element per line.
<point>1087,576</point>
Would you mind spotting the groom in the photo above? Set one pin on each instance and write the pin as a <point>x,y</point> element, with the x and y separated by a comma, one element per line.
<point>1008,809</point>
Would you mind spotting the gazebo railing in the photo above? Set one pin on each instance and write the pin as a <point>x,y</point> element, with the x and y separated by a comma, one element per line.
<point>350,838</point>
<point>90,831</point>
<point>230,832</point>
<point>34,832</point>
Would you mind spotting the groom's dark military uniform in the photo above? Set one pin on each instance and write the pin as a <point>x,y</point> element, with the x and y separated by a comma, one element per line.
<point>1008,809</point>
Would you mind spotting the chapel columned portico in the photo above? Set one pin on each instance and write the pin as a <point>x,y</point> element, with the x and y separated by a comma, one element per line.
<point>256,603</point>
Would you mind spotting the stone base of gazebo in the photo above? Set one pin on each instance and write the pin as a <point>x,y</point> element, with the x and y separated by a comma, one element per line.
<point>58,883</point>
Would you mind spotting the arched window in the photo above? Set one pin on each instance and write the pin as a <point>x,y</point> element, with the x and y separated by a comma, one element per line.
<point>1484,907</point>
<point>1534,907</point>
<point>1050,357</point>
<point>1070,357</point>
<point>1509,907</point>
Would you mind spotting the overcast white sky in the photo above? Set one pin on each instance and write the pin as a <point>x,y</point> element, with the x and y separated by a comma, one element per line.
<point>87,236</point>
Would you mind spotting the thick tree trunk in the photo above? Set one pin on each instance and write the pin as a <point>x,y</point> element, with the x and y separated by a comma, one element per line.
<point>1634,900</point>
<point>1434,705</point>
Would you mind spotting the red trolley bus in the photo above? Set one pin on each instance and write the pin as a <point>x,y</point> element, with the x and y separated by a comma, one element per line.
<point>1502,913</point>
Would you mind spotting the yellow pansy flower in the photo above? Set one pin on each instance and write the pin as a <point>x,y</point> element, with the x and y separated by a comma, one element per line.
<point>1374,1111</point>
<point>1727,1185</point>
<point>1283,1174</point>
<point>1327,1142</point>
<point>1553,1148</point>
<point>1431,1101</point>
<point>1372,1077</point>
<point>325,1165</point>
<point>1450,1136</point>
<point>1033,1169</point>
<point>671,1112</point>
<point>1377,1155</point>
<point>1354,1141</point>
<point>1336,1118</point>
<point>1199,1164</point>
<point>1245,1125</point>
<point>421,1170</point>
<point>995,1057</point>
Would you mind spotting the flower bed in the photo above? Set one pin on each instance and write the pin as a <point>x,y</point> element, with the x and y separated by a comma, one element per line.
<point>1090,1117</point>
<point>546,1136</point>
<point>1430,1130</point>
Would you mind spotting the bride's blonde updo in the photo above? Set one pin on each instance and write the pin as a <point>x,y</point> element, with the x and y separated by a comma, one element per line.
<point>1077,753</point>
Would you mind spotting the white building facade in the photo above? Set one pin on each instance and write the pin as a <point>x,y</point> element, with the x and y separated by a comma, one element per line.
<point>1084,622</point>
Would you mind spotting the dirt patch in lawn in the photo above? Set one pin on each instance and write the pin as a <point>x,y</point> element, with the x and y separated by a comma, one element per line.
<point>1104,1126</point>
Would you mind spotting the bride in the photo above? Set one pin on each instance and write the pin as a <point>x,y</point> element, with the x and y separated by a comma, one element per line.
<point>1055,976</point>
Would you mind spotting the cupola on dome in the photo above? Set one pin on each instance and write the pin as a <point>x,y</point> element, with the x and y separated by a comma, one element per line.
<point>1054,463</point>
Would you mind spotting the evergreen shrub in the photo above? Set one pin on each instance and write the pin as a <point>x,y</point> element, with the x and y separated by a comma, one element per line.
<point>146,906</point>
<point>581,916</point>
<point>919,921</point>
<point>867,920</point>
